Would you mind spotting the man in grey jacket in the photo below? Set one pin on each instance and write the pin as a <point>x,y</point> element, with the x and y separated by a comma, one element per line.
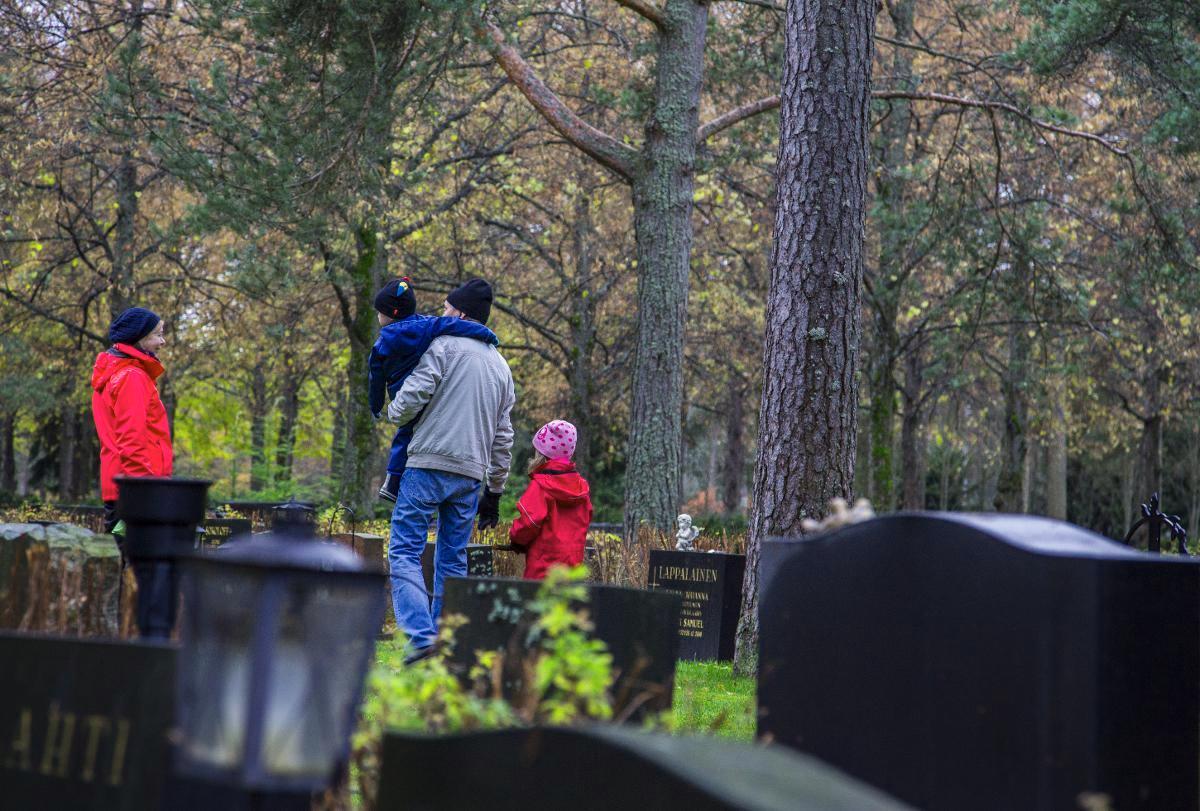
<point>462,395</point>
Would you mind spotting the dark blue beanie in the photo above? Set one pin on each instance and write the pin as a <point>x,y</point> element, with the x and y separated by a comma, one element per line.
<point>132,326</point>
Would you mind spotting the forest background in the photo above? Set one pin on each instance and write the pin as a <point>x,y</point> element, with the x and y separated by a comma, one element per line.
<point>253,170</point>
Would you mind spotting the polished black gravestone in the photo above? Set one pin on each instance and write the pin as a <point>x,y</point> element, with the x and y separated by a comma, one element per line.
<point>710,584</point>
<point>637,626</point>
<point>218,531</point>
<point>83,724</point>
<point>480,562</point>
<point>606,768</point>
<point>985,662</point>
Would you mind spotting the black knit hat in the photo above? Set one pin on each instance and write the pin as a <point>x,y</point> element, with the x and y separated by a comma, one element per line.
<point>396,299</point>
<point>132,326</point>
<point>473,299</point>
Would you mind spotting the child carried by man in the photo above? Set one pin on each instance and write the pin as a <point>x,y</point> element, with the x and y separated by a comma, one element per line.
<point>403,338</point>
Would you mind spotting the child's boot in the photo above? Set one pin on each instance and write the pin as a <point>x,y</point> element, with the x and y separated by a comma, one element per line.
<point>390,488</point>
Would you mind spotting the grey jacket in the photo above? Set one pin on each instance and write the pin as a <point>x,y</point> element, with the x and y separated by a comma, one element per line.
<point>467,392</point>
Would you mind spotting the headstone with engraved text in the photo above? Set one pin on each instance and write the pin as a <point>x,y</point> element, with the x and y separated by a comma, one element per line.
<point>710,584</point>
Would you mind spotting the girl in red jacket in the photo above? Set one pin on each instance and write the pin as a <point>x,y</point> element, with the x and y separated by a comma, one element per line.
<point>135,439</point>
<point>554,511</point>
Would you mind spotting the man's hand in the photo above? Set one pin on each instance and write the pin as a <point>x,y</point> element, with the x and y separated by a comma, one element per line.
<point>489,509</point>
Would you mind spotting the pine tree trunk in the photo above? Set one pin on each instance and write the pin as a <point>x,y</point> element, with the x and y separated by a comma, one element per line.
<point>890,275</point>
<point>8,459</point>
<point>289,410</point>
<point>733,469</point>
<point>913,454</point>
<point>1056,450</point>
<point>359,475</point>
<point>808,417</point>
<point>66,451</point>
<point>662,201</point>
<point>259,406</point>
<point>1011,480</point>
<point>583,328</point>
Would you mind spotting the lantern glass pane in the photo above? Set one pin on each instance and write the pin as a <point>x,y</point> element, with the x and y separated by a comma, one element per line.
<point>326,636</point>
<point>219,621</point>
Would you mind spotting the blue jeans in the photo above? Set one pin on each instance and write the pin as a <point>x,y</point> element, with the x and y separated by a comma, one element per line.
<point>423,492</point>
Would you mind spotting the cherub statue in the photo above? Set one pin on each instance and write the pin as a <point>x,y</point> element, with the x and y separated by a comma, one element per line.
<point>686,534</point>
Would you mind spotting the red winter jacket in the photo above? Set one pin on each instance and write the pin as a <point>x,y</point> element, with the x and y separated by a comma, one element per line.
<point>135,439</point>
<point>552,518</point>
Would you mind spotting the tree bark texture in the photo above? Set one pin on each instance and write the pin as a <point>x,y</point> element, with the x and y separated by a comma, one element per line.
<point>663,185</point>
<point>289,410</point>
<point>259,406</point>
<point>583,329</point>
<point>808,418</point>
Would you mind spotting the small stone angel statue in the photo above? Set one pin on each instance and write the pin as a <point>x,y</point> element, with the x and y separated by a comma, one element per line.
<point>686,534</point>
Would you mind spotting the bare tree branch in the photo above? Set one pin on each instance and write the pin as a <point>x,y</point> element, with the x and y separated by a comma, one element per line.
<point>771,102</point>
<point>734,116</point>
<point>600,146</point>
<point>643,8</point>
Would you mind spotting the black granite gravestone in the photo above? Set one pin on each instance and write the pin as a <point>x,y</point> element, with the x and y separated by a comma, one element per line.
<point>986,662</point>
<point>605,768</point>
<point>480,562</point>
<point>710,584</point>
<point>219,530</point>
<point>637,626</point>
<point>84,724</point>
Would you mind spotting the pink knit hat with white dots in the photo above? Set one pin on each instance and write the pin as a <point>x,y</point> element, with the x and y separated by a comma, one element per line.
<point>556,440</point>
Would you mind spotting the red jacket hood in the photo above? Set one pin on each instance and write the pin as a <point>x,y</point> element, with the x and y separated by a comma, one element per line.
<point>560,481</point>
<point>108,364</point>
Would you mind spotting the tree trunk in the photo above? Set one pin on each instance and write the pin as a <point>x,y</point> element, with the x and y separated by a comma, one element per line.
<point>358,473</point>
<point>583,328</point>
<point>1056,451</point>
<point>891,272</point>
<point>259,405</point>
<point>809,413</point>
<point>1010,482</point>
<point>913,452</point>
<point>8,458</point>
<point>733,470</point>
<point>289,410</point>
<point>66,451</point>
<point>662,201</point>
<point>120,291</point>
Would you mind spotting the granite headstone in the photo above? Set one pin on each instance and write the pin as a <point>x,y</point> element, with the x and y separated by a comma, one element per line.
<point>83,724</point>
<point>638,627</point>
<point>710,584</point>
<point>986,662</point>
<point>601,768</point>
<point>480,562</point>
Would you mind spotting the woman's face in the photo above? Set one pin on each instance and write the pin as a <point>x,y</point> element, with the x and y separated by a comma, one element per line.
<point>154,341</point>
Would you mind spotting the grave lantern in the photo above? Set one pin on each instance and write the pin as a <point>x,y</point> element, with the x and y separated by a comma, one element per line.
<point>295,518</point>
<point>276,639</point>
<point>160,516</point>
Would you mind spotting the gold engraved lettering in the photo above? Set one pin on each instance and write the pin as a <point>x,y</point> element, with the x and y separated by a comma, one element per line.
<point>59,735</point>
<point>20,751</point>
<point>97,726</point>
<point>119,747</point>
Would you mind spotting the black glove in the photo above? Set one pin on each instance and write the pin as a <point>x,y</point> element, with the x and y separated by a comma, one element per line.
<point>489,510</point>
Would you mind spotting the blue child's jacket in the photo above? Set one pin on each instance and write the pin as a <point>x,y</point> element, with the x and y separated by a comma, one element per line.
<point>402,343</point>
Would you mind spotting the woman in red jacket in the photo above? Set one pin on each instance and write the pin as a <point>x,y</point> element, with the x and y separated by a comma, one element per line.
<point>135,438</point>
<point>554,512</point>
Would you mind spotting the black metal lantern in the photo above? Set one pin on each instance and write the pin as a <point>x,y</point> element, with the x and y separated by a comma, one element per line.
<point>276,640</point>
<point>295,518</point>
<point>160,516</point>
